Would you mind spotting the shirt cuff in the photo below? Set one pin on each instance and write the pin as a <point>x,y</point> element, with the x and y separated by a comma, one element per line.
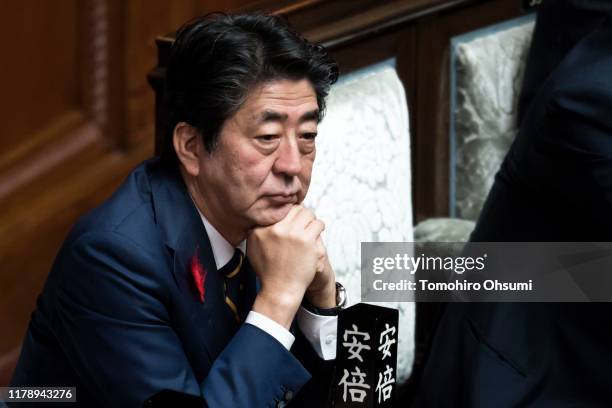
<point>274,329</point>
<point>320,331</point>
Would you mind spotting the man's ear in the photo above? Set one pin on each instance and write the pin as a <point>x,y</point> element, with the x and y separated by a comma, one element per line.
<point>188,147</point>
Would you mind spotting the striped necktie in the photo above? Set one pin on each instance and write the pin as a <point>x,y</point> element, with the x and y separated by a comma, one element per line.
<point>233,284</point>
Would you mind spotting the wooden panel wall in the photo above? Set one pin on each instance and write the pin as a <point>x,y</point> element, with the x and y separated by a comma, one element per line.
<point>76,116</point>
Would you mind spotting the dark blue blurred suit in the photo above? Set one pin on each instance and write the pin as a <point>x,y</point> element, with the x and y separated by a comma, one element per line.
<point>554,185</point>
<point>119,317</point>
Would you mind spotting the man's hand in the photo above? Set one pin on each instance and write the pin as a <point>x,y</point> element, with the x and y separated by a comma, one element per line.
<point>285,256</point>
<point>322,290</point>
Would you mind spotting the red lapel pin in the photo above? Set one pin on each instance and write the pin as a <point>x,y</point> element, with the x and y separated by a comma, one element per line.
<point>199,275</point>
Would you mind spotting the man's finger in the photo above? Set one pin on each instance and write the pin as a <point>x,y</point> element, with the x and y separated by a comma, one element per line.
<point>320,268</point>
<point>303,219</point>
<point>314,229</point>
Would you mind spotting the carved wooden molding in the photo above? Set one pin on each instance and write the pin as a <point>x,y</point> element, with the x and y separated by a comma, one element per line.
<point>97,122</point>
<point>343,25</point>
<point>77,160</point>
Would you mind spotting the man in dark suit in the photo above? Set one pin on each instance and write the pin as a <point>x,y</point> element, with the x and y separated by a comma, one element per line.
<point>555,185</point>
<point>152,289</point>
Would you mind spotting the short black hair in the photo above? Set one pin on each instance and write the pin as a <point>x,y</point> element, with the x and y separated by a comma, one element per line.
<point>216,60</point>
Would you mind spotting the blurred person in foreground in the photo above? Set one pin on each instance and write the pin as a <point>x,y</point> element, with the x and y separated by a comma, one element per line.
<point>555,185</point>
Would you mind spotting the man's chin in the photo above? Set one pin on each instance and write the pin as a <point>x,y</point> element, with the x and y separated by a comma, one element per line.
<point>272,215</point>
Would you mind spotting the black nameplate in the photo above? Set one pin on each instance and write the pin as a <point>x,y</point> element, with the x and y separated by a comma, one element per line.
<point>366,357</point>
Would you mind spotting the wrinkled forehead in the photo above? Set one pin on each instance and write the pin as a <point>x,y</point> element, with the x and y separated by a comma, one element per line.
<point>281,101</point>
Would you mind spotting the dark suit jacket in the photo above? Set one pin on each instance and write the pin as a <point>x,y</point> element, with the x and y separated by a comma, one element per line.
<point>554,185</point>
<point>119,317</point>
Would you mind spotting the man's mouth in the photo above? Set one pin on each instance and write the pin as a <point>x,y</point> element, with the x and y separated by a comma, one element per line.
<point>281,199</point>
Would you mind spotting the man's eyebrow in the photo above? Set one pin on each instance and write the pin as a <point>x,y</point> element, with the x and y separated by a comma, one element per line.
<point>312,115</point>
<point>272,116</point>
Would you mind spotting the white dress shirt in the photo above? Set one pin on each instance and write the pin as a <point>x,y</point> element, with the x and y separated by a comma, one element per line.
<point>320,331</point>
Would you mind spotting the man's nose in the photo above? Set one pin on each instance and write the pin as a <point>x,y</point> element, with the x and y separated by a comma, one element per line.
<point>288,161</point>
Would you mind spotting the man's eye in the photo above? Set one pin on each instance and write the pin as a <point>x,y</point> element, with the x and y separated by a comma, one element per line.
<point>309,136</point>
<point>266,138</point>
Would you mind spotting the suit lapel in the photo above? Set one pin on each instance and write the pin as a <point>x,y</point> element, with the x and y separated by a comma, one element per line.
<point>212,319</point>
<point>185,237</point>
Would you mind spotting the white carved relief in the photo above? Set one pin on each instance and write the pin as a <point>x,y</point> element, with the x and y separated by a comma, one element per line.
<point>489,72</point>
<point>489,68</point>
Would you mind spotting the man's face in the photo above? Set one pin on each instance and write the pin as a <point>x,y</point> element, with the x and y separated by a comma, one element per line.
<point>263,160</point>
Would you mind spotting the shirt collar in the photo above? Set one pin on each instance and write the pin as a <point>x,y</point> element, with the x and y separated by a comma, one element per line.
<point>221,248</point>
